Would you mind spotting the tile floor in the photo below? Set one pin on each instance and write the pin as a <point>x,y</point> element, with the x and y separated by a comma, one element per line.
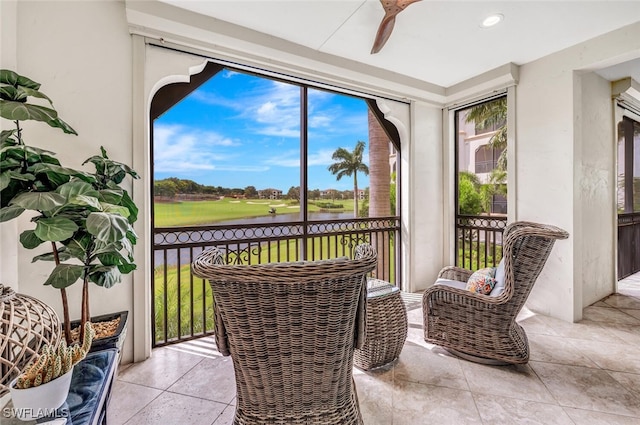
<point>582,373</point>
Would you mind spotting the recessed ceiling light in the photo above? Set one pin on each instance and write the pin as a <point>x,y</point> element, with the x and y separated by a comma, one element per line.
<point>492,20</point>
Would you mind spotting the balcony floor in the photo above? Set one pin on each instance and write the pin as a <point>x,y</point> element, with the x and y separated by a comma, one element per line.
<point>581,373</point>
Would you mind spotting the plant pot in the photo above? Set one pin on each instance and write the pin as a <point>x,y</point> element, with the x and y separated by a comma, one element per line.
<point>37,402</point>
<point>114,341</point>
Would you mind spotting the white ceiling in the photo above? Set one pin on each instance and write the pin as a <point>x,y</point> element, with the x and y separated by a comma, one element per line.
<point>440,42</point>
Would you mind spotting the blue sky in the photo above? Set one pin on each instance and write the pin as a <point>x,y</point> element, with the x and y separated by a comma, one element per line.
<point>239,130</point>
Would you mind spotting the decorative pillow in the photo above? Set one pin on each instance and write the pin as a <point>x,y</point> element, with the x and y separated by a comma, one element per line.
<point>500,280</point>
<point>482,281</point>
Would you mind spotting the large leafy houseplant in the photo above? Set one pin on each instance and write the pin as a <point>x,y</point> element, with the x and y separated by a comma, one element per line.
<point>86,218</point>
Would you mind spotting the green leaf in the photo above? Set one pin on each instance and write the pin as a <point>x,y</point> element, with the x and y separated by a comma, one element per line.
<point>64,275</point>
<point>5,179</point>
<point>26,91</point>
<point>127,268</point>
<point>55,228</point>
<point>88,201</point>
<point>55,168</point>
<point>107,227</point>
<point>62,256</point>
<point>5,135</point>
<point>10,77</point>
<point>76,188</point>
<point>11,93</point>
<point>131,206</point>
<point>29,240</point>
<point>77,247</point>
<point>111,196</point>
<point>9,213</point>
<point>24,111</point>
<point>25,177</point>
<point>115,209</point>
<point>58,123</point>
<point>105,276</point>
<point>15,110</point>
<point>39,201</point>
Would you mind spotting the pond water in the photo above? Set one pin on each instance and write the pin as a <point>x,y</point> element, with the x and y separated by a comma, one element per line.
<point>171,255</point>
<point>286,217</point>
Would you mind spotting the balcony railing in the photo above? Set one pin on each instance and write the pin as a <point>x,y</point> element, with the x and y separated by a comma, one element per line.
<point>183,304</point>
<point>479,240</point>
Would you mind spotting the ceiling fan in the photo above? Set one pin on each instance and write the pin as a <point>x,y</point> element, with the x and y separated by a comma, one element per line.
<point>391,9</point>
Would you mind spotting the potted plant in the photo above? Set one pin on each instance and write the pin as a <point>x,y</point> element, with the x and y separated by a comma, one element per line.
<point>44,384</point>
<point>86,218</point>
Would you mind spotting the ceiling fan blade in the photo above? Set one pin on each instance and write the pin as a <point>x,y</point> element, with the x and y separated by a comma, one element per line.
<point>384,32</point>
<point>391,8</point>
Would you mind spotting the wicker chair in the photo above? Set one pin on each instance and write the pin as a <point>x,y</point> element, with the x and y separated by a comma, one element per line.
<point>291,329</point>
<point>483,328</point>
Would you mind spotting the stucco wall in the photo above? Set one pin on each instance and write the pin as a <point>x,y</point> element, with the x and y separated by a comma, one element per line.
<point>81,54</point>
<point>425,206</point>
<point>595,213</point>
<point>564,138</point>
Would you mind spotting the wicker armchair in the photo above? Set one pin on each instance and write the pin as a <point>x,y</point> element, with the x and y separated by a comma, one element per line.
<point>291,329</point>
<point>483,328</point>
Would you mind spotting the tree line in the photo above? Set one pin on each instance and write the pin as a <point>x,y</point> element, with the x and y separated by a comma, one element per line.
<point>173,187</point>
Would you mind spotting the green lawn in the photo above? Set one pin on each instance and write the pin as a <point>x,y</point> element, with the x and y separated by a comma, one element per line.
<point>193,291</point>
<point>205,212</point>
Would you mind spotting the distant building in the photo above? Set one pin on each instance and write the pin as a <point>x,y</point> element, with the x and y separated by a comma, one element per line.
<point>270,194</point>
<point>328,193</point>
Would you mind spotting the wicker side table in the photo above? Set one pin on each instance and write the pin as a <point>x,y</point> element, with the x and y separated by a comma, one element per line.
<point>386,326</point>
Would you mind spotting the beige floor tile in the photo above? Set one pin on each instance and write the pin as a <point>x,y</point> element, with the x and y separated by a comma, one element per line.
<point>517,381</point>
<point>609,315</point>
<point>629,290</point>
<point>614,356</point>
<point>418,404</point>
<point>162,369</point>
<point>226,418</point>
<point>631,381</point>
<point>503,411</point>
<point>629,334</point>
<point>535,325</point>
<point>128,399</point>
<point>212,379</point>
<point>585,329</point>
<point>587,388</point>
<point>588,417</point>
<point>632,312</point>
<point>621,301</point>
<point>583,373</point>
<point>430,366</point>
<point>170,409</point>
<point>375,391</point>
<point>556,349</point>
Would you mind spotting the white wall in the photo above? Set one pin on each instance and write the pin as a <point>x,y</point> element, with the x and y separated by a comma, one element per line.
<point>424,209</point>
<point>81,54</point>
<point>565,151</point>
<point>594,186</point>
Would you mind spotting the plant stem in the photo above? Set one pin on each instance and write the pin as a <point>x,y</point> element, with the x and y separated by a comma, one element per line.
<point>65,302</point>
<point>84,317</point>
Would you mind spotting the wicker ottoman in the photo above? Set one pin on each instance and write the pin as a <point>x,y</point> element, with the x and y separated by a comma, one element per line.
<point>386,326</point>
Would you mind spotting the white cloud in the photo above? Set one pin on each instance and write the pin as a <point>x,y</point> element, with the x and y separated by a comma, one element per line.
<point>178,148</point>
<point>292,158</point>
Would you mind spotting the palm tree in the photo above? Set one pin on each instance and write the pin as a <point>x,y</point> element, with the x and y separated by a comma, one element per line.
<point>379,186</point>
<point>380,175</point>
<point>493,113</point>
<point>490,114</point>
<point>348,164</point>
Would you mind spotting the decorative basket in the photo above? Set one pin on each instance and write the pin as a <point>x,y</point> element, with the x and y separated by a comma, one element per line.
<point>26,324</point>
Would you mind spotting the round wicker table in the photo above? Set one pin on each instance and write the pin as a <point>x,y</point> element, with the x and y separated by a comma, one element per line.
<point>386,326</point>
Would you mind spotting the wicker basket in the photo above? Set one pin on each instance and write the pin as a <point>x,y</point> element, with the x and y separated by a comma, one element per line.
<point>26,324</point>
